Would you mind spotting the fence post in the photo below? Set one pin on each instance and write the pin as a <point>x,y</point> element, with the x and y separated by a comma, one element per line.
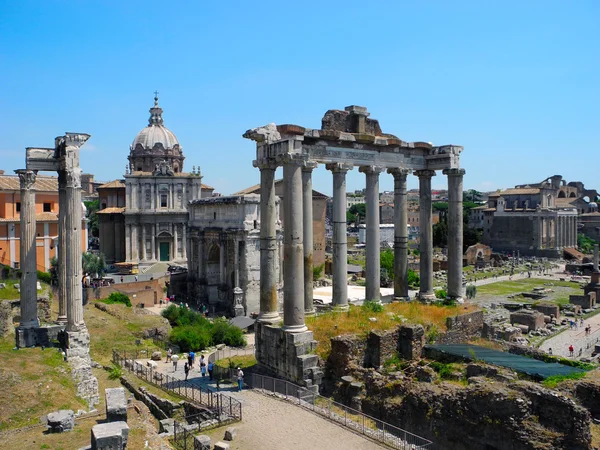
<point>363,422</point>
<point>286,390</point>
<point>345,418</point>
<point>330,408</point>
<point>230,413</point>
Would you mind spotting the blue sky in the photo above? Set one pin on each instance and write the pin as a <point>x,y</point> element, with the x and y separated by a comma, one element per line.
<point>515,82</point>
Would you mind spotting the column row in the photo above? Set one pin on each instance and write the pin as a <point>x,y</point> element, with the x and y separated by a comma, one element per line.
<point>297,178</point>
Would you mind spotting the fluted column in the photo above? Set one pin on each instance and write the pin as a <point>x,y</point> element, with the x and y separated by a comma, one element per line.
<point>184,242</point>
<point>340,238</point>
<point>269,308</point>
<point>400,234</point>
<point>373,275</point>
<point>28,265</point>
<point>62,248</point>
<point>293,248</point>
<point>73,242</point>
<point>455,232</point>
<point>307,227</point>
<point>153,241</point>
<point>143,247</point>
<point>426,235</point>
<point>175,237</point>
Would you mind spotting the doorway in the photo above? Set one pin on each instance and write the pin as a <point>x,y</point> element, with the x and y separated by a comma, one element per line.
<point>164,251</point>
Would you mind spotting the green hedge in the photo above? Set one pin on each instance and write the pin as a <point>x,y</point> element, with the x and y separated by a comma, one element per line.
<point>117,297</point>
<point>44,277</point>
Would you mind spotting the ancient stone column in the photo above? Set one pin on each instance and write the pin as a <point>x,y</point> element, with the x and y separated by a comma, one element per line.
<point>153,241</point>
<point>400,234</point>
<point>62,248</point>
<point>293,248</point>
<point>455,232</point>
<point>340,238</point>
<point>268,243</point>
<point>175,237</point>
<point>73,248</point>
<point>28,264</point>
<point>143,247</point>
<point>373,275</point>
<point>307,227</point>
<point>595,257</point>
<point>426,235</point>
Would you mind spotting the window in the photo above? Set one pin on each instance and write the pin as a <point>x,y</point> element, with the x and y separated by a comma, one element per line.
<point>163,200</point>
<point>47,207</point>
<point>18,206</point>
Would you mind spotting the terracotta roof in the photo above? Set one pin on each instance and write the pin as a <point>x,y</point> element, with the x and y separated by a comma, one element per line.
<point>516,191</point>
<point>565,201</point>
<point>256,190</point>
<point>42,183</point>
<point>42,217</point>
<point>113,184</point>
<point>111,210</point>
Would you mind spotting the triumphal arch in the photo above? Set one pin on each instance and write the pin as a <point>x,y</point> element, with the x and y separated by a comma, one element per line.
<point>347,139</point>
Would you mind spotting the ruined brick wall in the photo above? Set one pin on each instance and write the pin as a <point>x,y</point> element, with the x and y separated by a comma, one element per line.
<point>533,319</point>
<point>462,328</point>
<point>381,346</point>
<point>346,351</point>
<point>6,318</point>
<point>548,309</point>
<point>411,340</point>
<point>585,301</point>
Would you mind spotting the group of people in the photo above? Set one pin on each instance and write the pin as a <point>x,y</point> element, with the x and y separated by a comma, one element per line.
<point>205,368</point>
<point>574,325</point>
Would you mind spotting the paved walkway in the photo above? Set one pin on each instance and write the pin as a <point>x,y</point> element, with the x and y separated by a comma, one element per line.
<point>577,338</point>
<point>269,423</point>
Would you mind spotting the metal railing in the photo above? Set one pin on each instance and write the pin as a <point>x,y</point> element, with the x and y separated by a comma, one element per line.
<point>185,439</point>
<point>357,421</point>
<point>226,408</point>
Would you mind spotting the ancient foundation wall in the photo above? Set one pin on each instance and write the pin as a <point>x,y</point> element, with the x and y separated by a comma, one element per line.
<point>462,328</point>
<point>145,292</point>
<point>288,355</point>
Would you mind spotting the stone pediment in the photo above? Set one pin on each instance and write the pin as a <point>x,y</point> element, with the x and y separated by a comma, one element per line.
<point>165,234</point>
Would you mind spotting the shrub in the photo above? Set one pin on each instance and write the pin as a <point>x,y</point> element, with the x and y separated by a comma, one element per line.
<point>44,277</point>
<point>444,370</point>
<point>441,294</point>
<point>471,291</point>
<point>413,278</point>
<point>191,338</point>
<point>117,297</point>
<point>115,372</point>
<point>223,333</point>
<point>371,306</point>
<point>318,272</point>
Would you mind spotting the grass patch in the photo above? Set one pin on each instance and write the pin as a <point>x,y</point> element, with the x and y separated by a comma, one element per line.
<point>356,320</point>
<point>243,361</point>
<point>524,285</point>
<point>554,380</point>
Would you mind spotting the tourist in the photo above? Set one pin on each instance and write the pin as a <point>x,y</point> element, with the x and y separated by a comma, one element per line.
<point>192,358</point>
<point>136,278</point>
<point>186,369</point>
<point>571,350</point>
<point>549,350</point>
<point>581,322</point>
<point>175,358</point>
<point>121,278</point>
<point>169,354</point>
<point>240,377</point>
<point>201,360</point>
<point>203,369</point>
<point>211,368</point>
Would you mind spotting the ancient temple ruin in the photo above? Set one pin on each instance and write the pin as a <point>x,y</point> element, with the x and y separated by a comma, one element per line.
<point>347,139</point>
<point>64,159</point>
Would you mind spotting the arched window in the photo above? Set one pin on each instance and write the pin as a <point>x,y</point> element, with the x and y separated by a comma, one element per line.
<point>562,194</point>
<point>214,255</point>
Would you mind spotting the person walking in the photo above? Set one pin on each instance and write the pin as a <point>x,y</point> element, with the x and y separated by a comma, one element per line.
<point>186,369</point>
<point>240,377</point>
<point>169,354</point>
<point>201,360</point>
<point>203,370</point>
<point>193,355</point>
<point>211,368</point>
<point>175,358</point>
<point>571,350</point>
<point>190,358</point>
<point>549,350</point>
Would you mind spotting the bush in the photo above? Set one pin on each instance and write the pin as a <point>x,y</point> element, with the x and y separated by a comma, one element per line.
<point>191,338</point>
<point>441,294</point>
<point>471,291</point>
<point>318,272</point>
<point>413,278</point>
<point>44,277</point>
<point>117,297</point>
<point>115,372</point>
<point>223,333</point>
<point>371,306</point>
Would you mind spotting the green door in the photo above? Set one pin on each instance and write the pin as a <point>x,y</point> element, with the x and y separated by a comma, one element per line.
<point>164,251</point>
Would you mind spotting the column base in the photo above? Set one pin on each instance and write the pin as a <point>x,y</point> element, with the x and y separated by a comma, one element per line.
<point>270,317</point>
<point>25,337</point>
<point>62,320</point>
<point>310,312</point>
<point>459,299</point>
<point>401,299</point>
<point>426,296</point>
<point>341,308</point>
<point>295,328</point>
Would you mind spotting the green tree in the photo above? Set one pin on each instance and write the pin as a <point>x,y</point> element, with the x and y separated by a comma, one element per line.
<point>93,264</point>
<point>440,234</point>
<point>386,260</point>
<point>471,291</point>
<point>472,195</point>
<point>92,216</point>
<point>585,244</point>
<point>360,210</point>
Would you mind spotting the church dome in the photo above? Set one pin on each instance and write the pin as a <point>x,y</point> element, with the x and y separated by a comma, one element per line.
<point>155,144</point>
<point>155,134</point>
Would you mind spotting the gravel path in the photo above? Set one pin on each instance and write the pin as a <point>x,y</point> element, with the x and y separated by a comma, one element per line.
<point>270,423</point>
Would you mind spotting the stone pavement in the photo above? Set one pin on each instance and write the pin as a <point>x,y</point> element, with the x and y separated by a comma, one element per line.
<point>561,342</point>
<point>270,423</point>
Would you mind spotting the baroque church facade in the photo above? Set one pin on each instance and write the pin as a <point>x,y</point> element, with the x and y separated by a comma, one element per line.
<point>143,219</point>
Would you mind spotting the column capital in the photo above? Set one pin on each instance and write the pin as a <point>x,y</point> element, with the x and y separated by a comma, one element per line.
<point>73,177</point>
<point>339,167</point>
<point>309,166</point>
<point>371,170</point>
<point>292,158</point>
<point>26,178</point>
<point>265,163</point>
<point>454,172</point>
<point>398,172</point>
<point>425,173</point>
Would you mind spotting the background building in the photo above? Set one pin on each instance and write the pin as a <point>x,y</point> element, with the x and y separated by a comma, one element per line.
<point>46,208</point>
